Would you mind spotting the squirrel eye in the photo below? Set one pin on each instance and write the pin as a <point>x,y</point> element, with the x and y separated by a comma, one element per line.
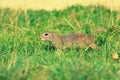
<point>46,34</point>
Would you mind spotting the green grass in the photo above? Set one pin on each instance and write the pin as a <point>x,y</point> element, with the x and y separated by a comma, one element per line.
<point>24,57</point>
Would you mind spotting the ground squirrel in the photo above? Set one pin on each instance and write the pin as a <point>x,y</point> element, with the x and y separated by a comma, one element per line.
<point>68,40</point>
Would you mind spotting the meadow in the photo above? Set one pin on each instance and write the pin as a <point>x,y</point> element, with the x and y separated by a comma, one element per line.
<point>23,56</point>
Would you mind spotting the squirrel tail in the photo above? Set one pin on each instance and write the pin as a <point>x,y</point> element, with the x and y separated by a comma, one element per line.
<point>99,30</point>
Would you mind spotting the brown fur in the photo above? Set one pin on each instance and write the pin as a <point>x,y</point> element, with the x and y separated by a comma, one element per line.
<point>69,40</point>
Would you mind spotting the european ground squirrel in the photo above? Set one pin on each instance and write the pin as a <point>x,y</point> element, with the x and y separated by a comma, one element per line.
<point>69,40</point>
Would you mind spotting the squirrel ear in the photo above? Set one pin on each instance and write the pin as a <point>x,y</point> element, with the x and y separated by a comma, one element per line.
<point>53,33</point>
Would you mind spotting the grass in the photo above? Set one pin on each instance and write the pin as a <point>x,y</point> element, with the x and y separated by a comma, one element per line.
<point>24,57</point>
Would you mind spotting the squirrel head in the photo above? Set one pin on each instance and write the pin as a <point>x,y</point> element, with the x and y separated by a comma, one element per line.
<point>48,36</point>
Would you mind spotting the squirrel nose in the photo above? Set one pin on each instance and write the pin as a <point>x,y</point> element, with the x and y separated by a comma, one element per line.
<point>40,38</point>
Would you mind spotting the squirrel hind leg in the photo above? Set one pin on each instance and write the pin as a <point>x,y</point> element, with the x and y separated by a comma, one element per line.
<point>94,46</point>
